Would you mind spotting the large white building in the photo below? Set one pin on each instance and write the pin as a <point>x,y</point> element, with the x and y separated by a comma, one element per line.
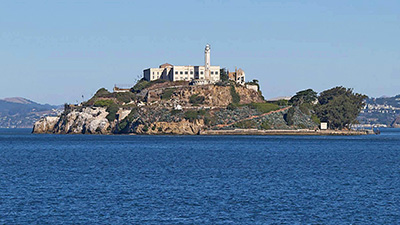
<point>186,73</point>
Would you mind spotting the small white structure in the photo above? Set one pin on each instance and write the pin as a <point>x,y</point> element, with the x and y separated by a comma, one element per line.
<point>252,87</point>
<point>324,125</point>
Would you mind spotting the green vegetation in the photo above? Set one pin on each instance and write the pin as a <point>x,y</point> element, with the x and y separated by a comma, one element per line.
<point>196,99</point>
<point>245,124</point>
<point>104,98</point>
<point>305,108</point>
<point>223,75</point>
<point>233,106</point>
<point>339,107</point>
<point>167,93</point>
<point>112,112</point>
<point>175,111</point>
<point>265,125</point>
<point>315,119</point>
<point>145,128</point>
<point>102,93</point>
<point>210,120</point>
<point>124,124</point>
<point>280,102</point>
<point>125,97</point>
<point>192,115</point>
<point>142,84</point>
<point>103,103</point>
<point>263,107</point>
<point>289,116</point>
<point>306,96</point>
<point>235,95</point>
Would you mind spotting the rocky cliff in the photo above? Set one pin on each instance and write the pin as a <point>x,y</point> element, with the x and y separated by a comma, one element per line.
<point>171,108</point>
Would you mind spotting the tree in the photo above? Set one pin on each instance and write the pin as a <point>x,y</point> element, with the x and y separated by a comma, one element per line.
<point>339,107</point>
<point>223,74</point>
<point>306,96</point>
<point>289,116</point>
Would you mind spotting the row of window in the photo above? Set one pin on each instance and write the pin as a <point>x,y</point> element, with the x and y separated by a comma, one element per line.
<point>191,72</point>
<point>197,73</point>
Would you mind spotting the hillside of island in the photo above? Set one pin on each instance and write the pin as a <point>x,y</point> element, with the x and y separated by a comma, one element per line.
<point>167,107</point>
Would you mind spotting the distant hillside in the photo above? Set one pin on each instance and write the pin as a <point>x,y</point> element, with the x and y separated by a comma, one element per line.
<point>20,112</point>
<point>381,111</point>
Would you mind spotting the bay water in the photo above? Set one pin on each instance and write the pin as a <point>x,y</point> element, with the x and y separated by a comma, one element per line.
<point>105,179</point>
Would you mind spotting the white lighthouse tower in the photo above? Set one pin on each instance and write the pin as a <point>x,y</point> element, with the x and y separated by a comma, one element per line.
<point>207,62</point>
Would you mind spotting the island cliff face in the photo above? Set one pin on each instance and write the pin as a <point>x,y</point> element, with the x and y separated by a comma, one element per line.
<point>172,108</point>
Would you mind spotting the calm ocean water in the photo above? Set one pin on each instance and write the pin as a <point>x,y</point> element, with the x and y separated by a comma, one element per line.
<point>52,179</point>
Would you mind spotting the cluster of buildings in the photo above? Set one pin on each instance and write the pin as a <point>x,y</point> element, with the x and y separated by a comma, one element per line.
<point>204,74</point>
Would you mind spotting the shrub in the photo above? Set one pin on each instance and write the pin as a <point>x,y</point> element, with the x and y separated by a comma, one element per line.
<point>140,85</point>
<point>235,95</point>
<point>246,124</point>
<point>196,99</point>
<point>103,103</point>
<point>167,93</point>
<point>289,116</point>
<point>302,126</point>
<point>125,97</point>
<point>175,111</point>
<point>210,120</point>
<point>264,107</point>
<point>232,106</point>
<point>102,93</point>
<point>265,125</point>
<point>145,128</point>
<point>192,115</point>
<point>112,112</point>
<point>305,108</point>
<point>315,119</point>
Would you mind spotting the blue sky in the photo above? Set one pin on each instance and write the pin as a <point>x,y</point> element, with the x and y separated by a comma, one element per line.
<point>56,51</point>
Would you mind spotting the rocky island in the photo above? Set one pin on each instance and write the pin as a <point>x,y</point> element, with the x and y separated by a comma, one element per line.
<point>205,99</point>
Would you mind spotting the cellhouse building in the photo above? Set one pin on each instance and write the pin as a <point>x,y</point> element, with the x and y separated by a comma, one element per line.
<point>166,71</point>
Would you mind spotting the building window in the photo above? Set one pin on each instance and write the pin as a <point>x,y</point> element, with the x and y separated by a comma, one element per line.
<point>212,72</point>
<point>176,72</point>
<point>191,72</point>
<point>153,72</point>
<point>197,73</point>
<point>186,72</point>
<point>181,72</point>
<point>216,72</point>
<point>158,73</point>
<point>201,72</point>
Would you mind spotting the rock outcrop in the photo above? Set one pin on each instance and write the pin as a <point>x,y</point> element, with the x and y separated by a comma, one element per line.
<point>87,120</point>
<point>171,108</point>
<point>214,96</point>
<point>45,124</point>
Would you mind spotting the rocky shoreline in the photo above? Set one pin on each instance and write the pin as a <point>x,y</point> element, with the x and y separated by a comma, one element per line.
<point>286,132</point>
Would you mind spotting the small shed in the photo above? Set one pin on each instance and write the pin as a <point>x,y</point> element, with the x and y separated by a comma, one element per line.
<point>324,125</point>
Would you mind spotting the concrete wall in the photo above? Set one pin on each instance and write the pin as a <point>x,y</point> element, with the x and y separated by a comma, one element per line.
<point>178,73</point>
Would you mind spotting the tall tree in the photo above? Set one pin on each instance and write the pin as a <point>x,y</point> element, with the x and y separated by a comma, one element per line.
<point>339,107</point>
<point>305,96</point>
